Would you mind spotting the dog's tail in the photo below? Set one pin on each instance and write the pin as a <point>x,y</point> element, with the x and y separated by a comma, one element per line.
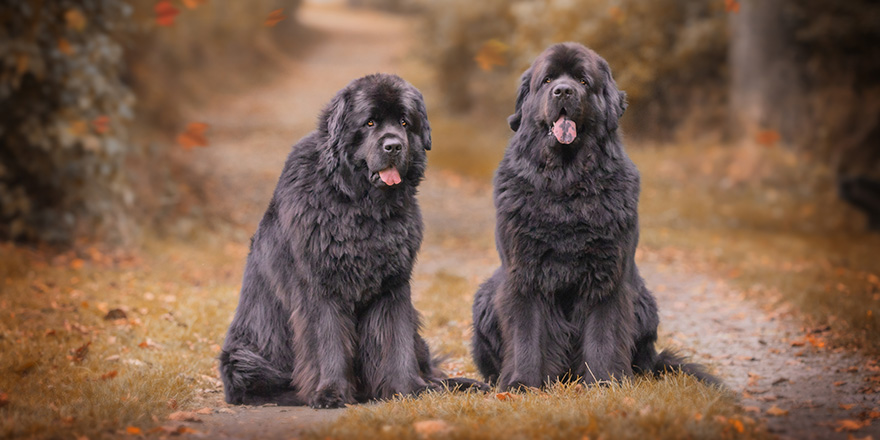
<point>671,360</point>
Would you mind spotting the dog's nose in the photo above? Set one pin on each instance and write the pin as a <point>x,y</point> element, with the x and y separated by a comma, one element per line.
<point>392,146</point>
<point>562,90</point>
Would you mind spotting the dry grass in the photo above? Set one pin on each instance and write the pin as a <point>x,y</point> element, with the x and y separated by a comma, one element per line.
<point>674,407</point>
<point>178,299</point>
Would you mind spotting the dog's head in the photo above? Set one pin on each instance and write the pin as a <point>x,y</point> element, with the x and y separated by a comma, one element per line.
<point>569,92</point>
<point>377,129</point>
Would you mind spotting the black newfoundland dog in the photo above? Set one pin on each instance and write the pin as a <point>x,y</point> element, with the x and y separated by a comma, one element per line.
<point>568,300</point>
<point>325,315</point>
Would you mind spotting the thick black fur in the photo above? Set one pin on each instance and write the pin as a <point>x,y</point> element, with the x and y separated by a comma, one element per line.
<point>325,316</point>
<point>568,300</point>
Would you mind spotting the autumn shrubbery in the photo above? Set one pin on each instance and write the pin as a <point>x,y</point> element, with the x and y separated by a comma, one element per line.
<point>668,55</point>
<point>92,90</point>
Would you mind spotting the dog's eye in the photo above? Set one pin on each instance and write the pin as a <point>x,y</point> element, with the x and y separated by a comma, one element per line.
<point>403,122</point>
<point>583,81</point>
<point>546,80</point>
<point>370,123</point>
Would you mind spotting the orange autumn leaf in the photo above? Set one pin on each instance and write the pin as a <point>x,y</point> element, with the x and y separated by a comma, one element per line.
<point>851,425</point>
<point>133,430</point>
<point>274,18</point>
<point>4,399</point>
<point>186,430</point>
<point>109,375</point>
<point>101,124</point>
<point>194,136</point>
<point>767,138</point>
<point>491,54</point>
<point>77,263</point>
<point>75,19</point>
<point>731,5</point>
<point>78,128</point>
<point>165,13</point>
<point>65,47</point>
<point>192,4</point>
<point>737,425</point>
<point>504,396</point>
<point>776,411</point>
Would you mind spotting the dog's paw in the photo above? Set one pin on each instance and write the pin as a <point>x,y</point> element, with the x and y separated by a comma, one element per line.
<point>519,384</point>
<point>329,397</point>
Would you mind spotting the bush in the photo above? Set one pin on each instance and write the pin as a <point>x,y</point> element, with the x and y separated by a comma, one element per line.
<point>63,117</point>
<point>70,72</point>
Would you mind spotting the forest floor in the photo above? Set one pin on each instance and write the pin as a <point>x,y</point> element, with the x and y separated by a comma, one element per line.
<point>106,343</point>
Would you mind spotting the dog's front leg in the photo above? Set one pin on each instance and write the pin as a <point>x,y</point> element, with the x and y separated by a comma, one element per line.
<point>608,336</point>
<point>387,350</point>
<point>323,331</point>
<point>519,313</point>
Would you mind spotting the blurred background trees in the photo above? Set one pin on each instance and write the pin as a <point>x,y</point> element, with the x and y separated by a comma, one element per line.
<point>92,90</point>
<point>803,74</point>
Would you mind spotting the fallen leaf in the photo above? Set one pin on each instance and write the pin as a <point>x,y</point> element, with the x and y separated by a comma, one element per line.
<point>192,4</point>
<point>274,18</point>
<point>731,5</point>
<point>847,406</point>
<point>184,416</point>
<point>109,375</point>
<point>205,411</point>
<point>491,54</point>
<point>839,383</point>
<point>767,138</point>
<point>776,411</point>
<point>753,409</point>
<point>133,430</point>
<point>186,430</point>
<point>78,128</point>
<point>430,428</point>
<point>850,425</point>
<point>101,124</point>
<point>4,399</point>
<point>194,136</point>
<point>65,47</point>
<point>737,425</point>
<point>149,343</point>
<point>799,343</point>
<point>165,13</point>
<point>75,19</point>
<point>504,396</point>
<point>77,263</point>
<point>80,353</point>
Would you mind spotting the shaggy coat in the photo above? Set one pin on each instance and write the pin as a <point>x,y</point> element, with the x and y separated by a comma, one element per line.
<point>325,315</point>
<point>568,300</point>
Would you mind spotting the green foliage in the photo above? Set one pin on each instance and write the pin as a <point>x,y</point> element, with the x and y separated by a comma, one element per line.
<point>668,55</point>
<point>60,69</point>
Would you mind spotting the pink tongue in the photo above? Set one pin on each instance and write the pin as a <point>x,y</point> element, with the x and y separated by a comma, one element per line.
<point>390,176</point>
<point>565,130</point>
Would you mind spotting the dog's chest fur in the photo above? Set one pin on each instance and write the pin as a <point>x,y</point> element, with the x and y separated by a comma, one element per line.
<point>566,237</point>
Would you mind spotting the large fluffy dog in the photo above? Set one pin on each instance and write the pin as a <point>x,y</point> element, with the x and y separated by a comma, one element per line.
<point>325,315</point>
<point>568,299</point>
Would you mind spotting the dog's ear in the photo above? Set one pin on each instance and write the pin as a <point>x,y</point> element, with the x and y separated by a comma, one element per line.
<point>615,100</point>
<point>335,117</point>
<point>424,127</point>
<point>524,88</point>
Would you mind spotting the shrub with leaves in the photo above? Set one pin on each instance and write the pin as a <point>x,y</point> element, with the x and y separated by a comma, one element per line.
<point>669,55</point>
<point>63,115</point>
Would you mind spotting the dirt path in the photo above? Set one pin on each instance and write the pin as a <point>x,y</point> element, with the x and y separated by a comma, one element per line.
<point>766,356</point>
